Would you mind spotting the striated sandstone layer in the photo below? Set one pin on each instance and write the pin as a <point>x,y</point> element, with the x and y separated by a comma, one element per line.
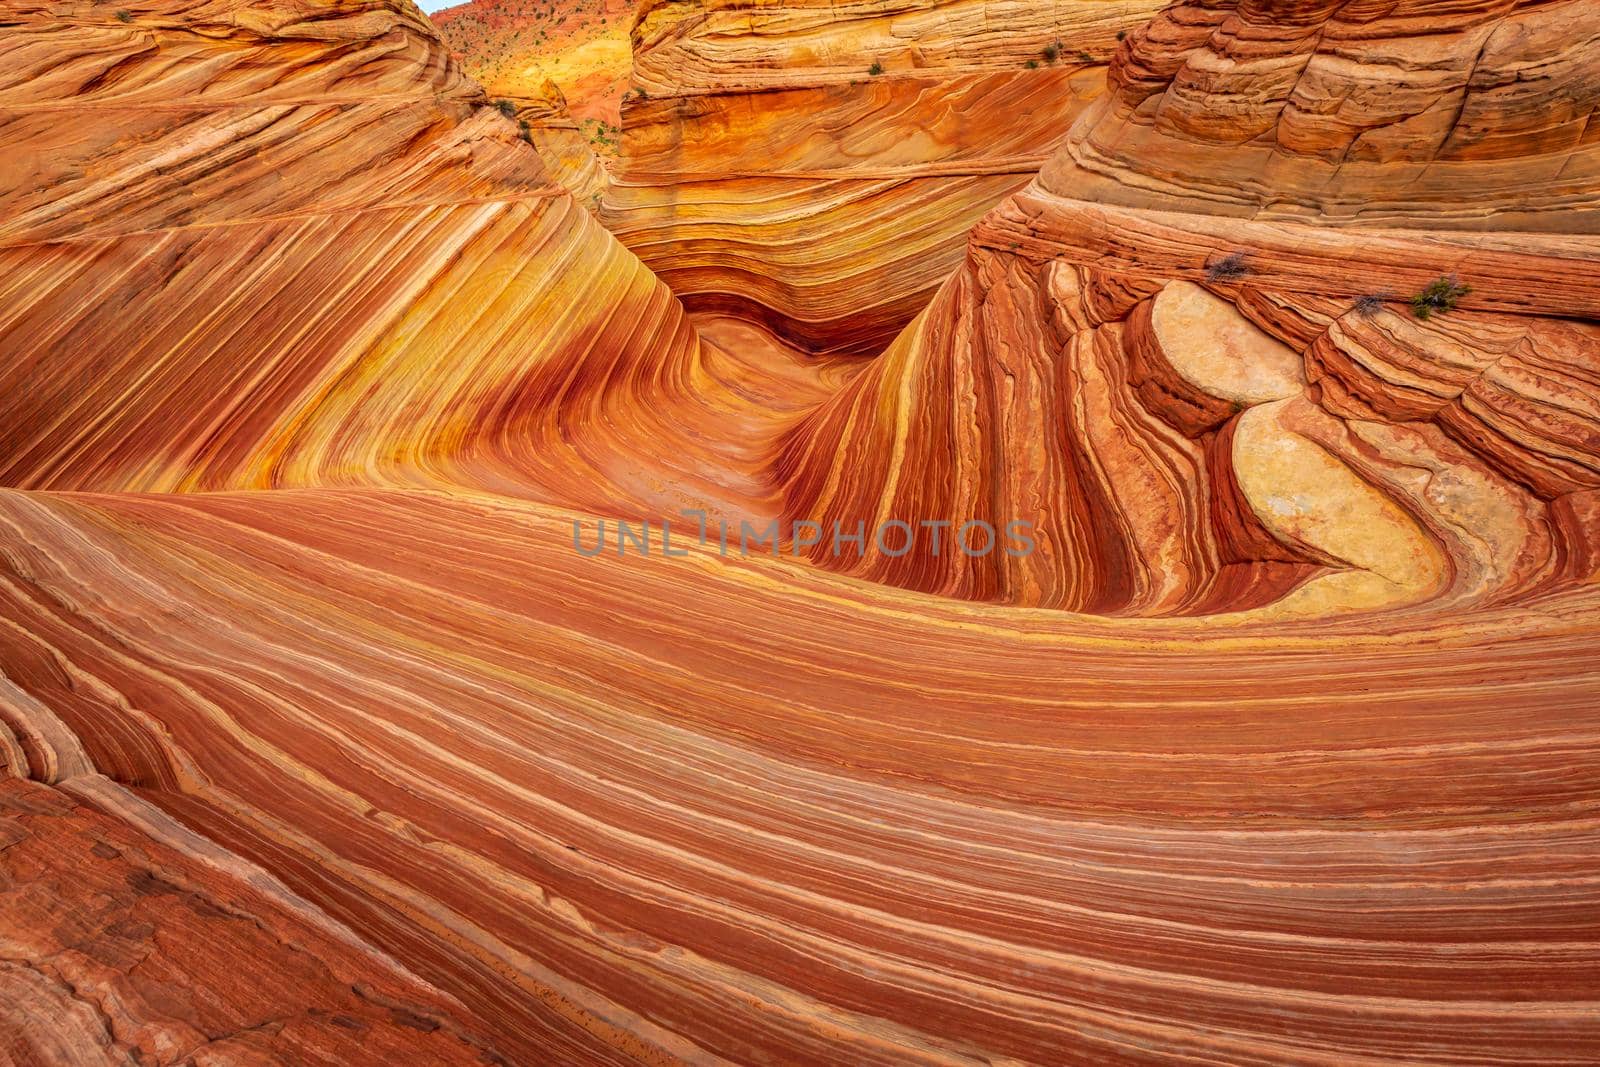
<point>1199,412</point>
<point>294,246</point>
<point>216,123</point>
<point>563,147</point>
<point>1464,116</point>
<point>116,948</point>
<point>1282,748</point>
<point>558,789</point>
<point>815,167</point>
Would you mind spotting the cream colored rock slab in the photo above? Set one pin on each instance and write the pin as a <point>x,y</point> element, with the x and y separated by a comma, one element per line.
<point>1305,494</point>
<point>1219,351</point>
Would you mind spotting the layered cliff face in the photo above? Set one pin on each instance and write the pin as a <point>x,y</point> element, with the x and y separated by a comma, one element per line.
<point>1280,747</point>
<point>665,810</point>
<point>1199,412</point>
<point>1473,116</point>
<point>816,167</point>
<point>565,148</point>
<point>278,247</point>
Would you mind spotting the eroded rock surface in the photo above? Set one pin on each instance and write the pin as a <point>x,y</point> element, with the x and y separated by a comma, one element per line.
<point>119,949</point>
<point>816,167</point>
<point>1200,412</point>
<point>1282,747</point>
<point>512,47</point>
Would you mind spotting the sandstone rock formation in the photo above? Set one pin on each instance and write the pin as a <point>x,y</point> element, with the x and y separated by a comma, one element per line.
<point>1199,412</point>
<point>816,167</point>
<point>309,252</point>
<point>564,149</point>
<point>1404,115</point>
<point>542,784</point>
<point>116,948</point>
<point>1281,748</point>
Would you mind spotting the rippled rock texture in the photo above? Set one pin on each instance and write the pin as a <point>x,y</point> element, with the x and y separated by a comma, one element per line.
<point>118,948</point>
<point>1281,747</point>
<point>1463,116</point>
<point>281,246</point>
<point>816,167</point>
<point>1199,412</point>
<point>564,146</point>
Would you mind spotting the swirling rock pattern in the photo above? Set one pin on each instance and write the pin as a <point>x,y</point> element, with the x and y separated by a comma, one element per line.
<point>1200,414</point>
<point>224,278</point>
<point>1282,749</point>
<point>194,114</point>
<point>816,166</point>
<point>1017,835</point>
<point>1181,450</point>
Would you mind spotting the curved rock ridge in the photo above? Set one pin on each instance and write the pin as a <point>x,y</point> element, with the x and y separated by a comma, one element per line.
<point>1465,116</point>
<point>275,250</point>
<point>191,114</point>
<point>173,115</point>
<point>876,829</point>
<point>701,47</point>
<point>815,167</point>
<point>561,143</point>
<point>204,294</point>
<point>393,289</point>
<point>1197,414</point>
<point>117,948</point>
<point>158,52</point>
<point>1181,449</point>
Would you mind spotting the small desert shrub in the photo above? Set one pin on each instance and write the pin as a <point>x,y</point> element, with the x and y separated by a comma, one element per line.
<point>1051,53</point>
<point>1230,268</point>
<point>527,134</point>
<point>1440,295</point>
<point>1370,304</point>
<point>1122,35</point>
<point>1032,64</point>
<point>876,69</point>
<point>507,108</point>
<point>124,16</point>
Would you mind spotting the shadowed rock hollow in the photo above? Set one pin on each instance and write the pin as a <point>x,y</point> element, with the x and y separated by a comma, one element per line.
<point>816,167</point>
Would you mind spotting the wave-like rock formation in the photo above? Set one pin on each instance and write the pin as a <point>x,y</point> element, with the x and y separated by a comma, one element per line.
<point>1467,116</point>
<point>546,784</point>
<point>816,167</point>
<point>279,247</point>
<point>1280,747</point>
<point>1197,412</point>
<point>1179,449</point>
<point>214,128</point>
<point>565,149</point>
